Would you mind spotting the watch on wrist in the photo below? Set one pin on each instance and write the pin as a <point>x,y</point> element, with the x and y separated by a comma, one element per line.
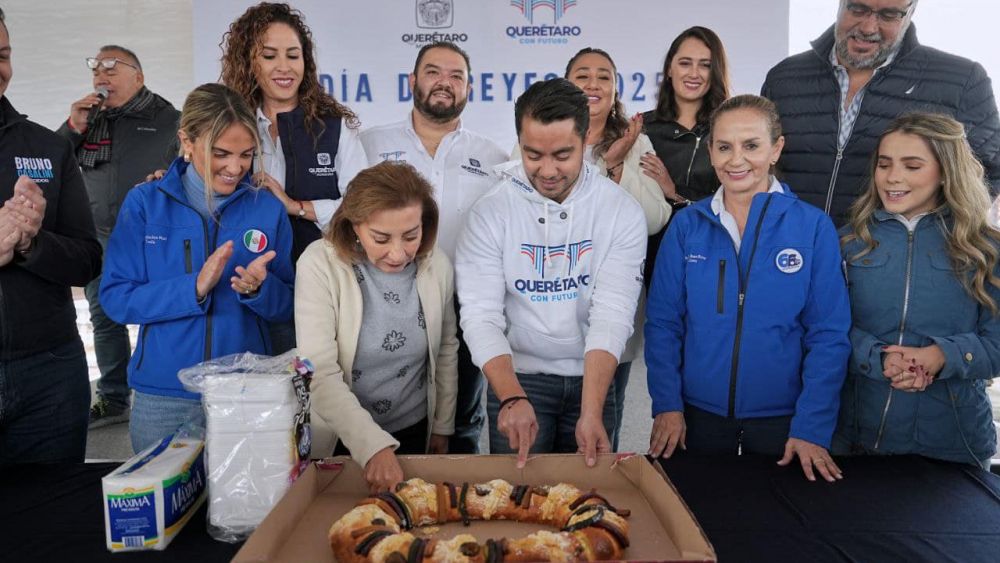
<point>302,211</point>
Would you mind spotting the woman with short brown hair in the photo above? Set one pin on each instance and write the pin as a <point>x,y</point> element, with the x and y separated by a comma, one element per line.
<point>374,313</point>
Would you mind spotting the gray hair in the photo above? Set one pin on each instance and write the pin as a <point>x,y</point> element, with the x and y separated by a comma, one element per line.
<point>128,52</point>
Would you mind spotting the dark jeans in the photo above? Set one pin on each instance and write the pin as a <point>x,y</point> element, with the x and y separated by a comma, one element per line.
<point>621,382</point>
<point>412,440</point>
<point>556,400</point>
<point>282,337</point>
<point>112,348</point>
<point>469,413</point>
<point>711,434</point>
<point>44,405</point>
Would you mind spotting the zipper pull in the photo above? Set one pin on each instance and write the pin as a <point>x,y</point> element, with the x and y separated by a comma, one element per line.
<point>742,295</point>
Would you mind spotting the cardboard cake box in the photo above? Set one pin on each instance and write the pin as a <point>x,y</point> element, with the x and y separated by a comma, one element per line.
<point>661,528</point>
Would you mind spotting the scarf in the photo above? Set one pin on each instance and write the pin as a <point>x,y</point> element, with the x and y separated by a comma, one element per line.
<point>96,147</point>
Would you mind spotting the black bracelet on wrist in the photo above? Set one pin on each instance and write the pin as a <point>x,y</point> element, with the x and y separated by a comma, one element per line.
<point>512,400</point>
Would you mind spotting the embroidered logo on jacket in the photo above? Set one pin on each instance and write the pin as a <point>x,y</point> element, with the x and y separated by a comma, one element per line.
<point>38,169</point>
<point>255,241</point>
<point>789,261</point>
<point>323,159</point>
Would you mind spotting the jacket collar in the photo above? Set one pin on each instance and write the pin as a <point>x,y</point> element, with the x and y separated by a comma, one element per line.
<point>515,176</point>
<point>823,44</point>
<point>8,115</point>
<point>943,211</point>
<point>779,204</point>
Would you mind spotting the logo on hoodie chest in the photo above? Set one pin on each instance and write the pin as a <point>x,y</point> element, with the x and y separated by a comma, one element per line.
<point>557,271</point>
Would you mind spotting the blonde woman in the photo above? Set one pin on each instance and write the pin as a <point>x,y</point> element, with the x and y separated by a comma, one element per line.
<point>922,269</point>
<point>199,259</point>
<point>374,312</point>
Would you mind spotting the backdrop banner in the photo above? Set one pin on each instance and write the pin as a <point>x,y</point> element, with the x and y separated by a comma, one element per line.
<point>367,48</point>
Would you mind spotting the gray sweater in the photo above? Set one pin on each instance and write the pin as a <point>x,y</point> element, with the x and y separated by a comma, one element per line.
<point>390,368</point>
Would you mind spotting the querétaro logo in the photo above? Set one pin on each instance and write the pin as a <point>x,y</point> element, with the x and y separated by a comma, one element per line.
<point>38,169</point>
<point>541,254</point>
<point>255,241</point>
<point>556,289</point>
<point>474,167</point>
<point>435,14</point>
<point>543,34</point>
<point>393,156</point>
<point>558,8</point>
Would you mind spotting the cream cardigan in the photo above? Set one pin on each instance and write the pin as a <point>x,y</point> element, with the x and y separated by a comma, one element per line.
<point>328,316</point>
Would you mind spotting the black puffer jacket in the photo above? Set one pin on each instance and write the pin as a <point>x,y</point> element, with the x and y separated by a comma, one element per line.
<point>36,307</point>
<point>919,78</point>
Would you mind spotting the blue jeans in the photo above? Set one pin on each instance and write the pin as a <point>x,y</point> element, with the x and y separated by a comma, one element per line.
<point>621,382</point>
<point>556,400</point>
<point>112,348</point>
<point>154,417</point>
<point>469,413</point>
<point>44,406</point>
<point>709,433</point>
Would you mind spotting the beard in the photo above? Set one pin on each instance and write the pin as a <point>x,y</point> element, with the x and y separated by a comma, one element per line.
<point>440,112</point>
<point>876,59</point>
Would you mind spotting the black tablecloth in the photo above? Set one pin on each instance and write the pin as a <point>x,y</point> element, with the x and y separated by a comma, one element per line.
<point>54,513</point>
<point>886,509</point>
<point>902,508</point>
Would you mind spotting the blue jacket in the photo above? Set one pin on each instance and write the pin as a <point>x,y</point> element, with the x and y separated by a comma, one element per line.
<point>951,419</point>
<point>784,351</point>
<point>156,250</point>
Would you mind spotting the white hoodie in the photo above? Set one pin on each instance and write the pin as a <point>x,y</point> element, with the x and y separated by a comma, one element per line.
<point>546,281</point>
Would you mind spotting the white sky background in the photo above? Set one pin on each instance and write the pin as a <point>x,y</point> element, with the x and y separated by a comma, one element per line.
<point>963,27</point>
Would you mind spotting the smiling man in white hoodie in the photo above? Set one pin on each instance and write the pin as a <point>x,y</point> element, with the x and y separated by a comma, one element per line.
<point>549,270</point>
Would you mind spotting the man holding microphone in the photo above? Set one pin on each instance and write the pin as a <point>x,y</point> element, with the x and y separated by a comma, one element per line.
<point>121,132</point>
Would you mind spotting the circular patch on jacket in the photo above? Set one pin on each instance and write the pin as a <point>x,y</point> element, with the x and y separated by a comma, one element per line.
<point>255,241</point>
<point>788,261</point>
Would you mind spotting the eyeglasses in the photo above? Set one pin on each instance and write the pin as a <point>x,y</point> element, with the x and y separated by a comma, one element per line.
<point>885,15</point>
<point>108,64</point>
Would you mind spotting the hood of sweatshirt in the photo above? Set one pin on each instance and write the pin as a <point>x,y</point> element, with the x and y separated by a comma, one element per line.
<point>516,179</point>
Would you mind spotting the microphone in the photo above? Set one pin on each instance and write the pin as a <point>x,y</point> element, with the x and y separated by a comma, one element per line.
<point>102,94</point>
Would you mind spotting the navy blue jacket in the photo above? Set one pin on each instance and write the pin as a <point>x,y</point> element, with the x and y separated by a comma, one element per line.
<point>309,170</point>
<point>919,78</point>
<point>158,247</point>
<point>951,419</point>
<point>758,333</point>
